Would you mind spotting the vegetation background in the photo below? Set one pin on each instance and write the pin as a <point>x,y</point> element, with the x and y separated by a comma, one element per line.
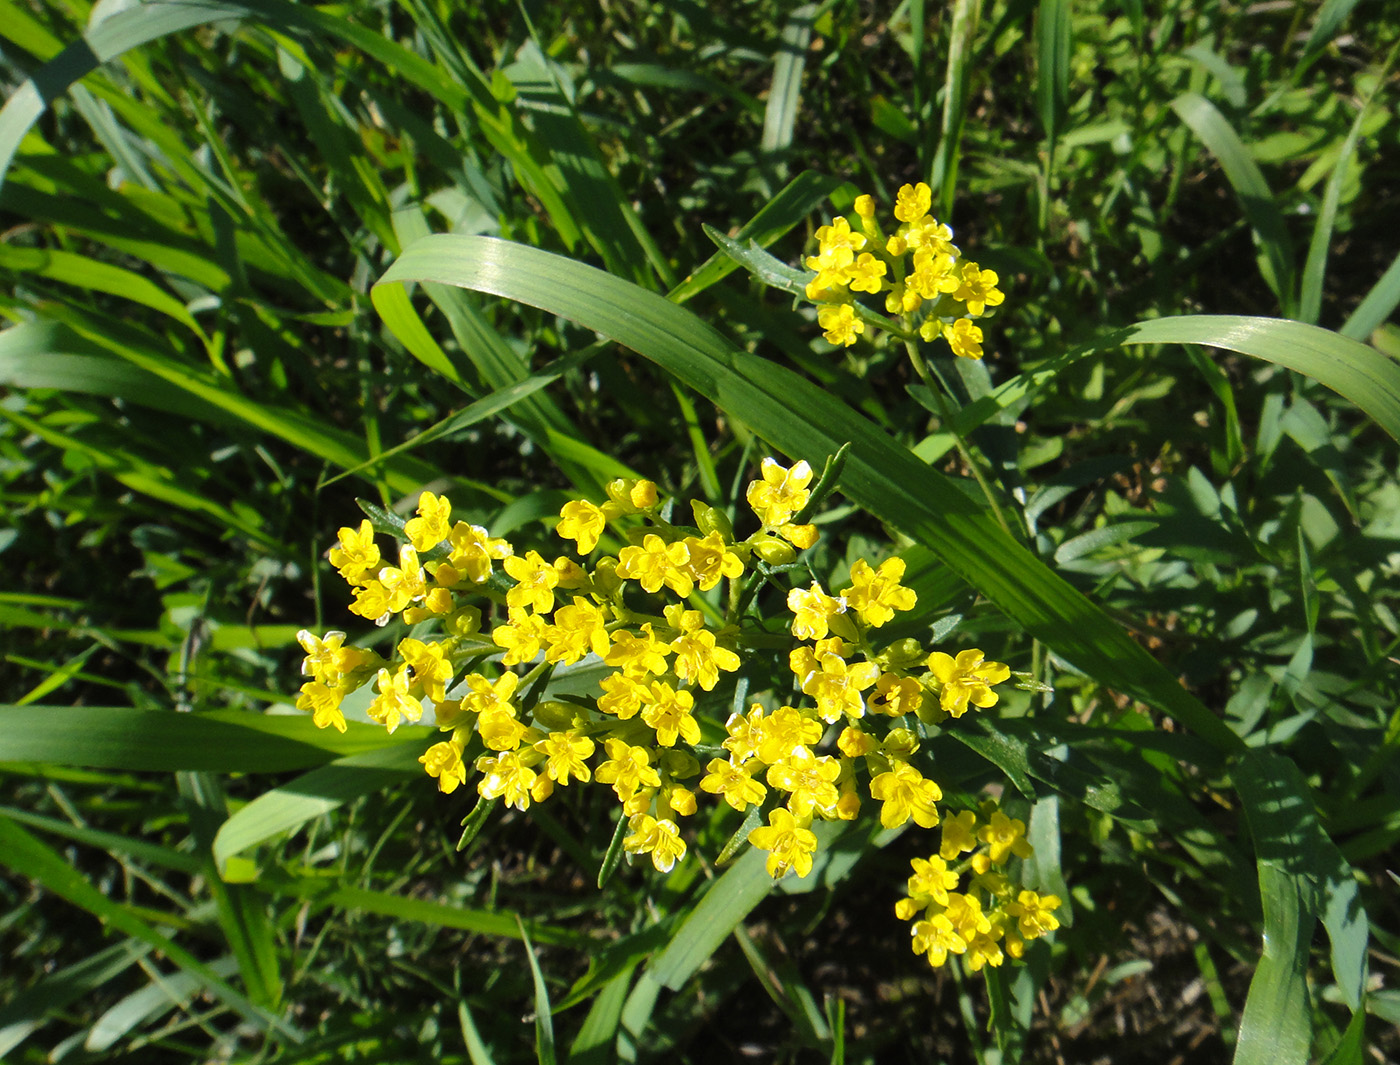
<point>197,198</point>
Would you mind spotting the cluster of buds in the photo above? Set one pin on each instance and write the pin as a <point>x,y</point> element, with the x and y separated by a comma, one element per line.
<point>926,282</point>
<point>670,614</point>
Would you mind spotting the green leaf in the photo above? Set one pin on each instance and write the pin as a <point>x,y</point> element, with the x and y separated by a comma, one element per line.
<point>221,741</point>
<point>1354,370</point>
<point>785,93</point>
<point>544,1021</point>
<point>1276,259</point>
<point>314,794</point>
<point>27,1011</point>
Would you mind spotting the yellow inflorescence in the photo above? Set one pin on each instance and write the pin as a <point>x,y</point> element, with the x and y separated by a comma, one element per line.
<point>843,734</point>
<point>926,282</point>
<point>968,905</point>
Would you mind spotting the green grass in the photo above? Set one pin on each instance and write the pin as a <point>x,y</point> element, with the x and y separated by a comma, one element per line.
<point>1187,420</point>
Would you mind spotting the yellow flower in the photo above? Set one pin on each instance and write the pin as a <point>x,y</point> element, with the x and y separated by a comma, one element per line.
<point>655,563</point>
<point>669,712</point>
<point>357,554</point>
<point>473,551</point>
<point>966,679</point>
<point>789,844</point>
<point>322,659</point>
<point>876,594</point>
<point>840,324</point>
<point>906,793</point>
<point>809,780</point>
<point>1005,835</point>
<point>978,289</point>
<point>937,938</point>
<point>782,732</point>
<point>583,522</point>
<point>324,703</point>
<point>812,611</point>
<point>430,527</point>
<point>535,582</point>
<point>444,761</point>
<point>564,753</point>
<point>865,274</point>
<point>522,637</point>
<point>698,658</point>
<point>896,696</point>
<point>638,656</point>
<point>836,686</point>
<point>963,337</point>
<point>959,834</point>
<point>1033,913</point>
<point>393,703</point>
<point>627,769</point>
<point>781,492</point>
<point>622,695</point>
<point>928,887</point>
<point>578,628</point>
<point>431,669</point>
<point>734,783</point>
<point>660,839</point>
<point>507,775</point>
<point>912,202</point>
<point>711,559</point>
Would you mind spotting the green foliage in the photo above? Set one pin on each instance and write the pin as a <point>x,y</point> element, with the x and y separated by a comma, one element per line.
<point>263,259</point>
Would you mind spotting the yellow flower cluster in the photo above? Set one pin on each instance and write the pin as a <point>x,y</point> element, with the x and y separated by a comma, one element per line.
<point>926,282</point>
<point>987,920</point>
<point>503,620</point>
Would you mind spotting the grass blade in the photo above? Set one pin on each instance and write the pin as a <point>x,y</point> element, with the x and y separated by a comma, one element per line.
<point>1354,370</point>
<point>1276,255</point>
<point>220,741</point>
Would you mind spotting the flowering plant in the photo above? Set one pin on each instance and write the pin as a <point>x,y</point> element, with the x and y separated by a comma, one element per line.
<point>670,614</point>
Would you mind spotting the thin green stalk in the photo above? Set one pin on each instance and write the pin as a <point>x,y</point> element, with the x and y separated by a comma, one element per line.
<point>936,388</point>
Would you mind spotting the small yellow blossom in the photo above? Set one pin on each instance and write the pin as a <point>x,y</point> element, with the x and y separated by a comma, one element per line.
<point>734,783</point>
<point>506,775</point>
<point>357,556</point>
<point>937,938</point>
<point>670,713</point>
<point>637,656</point>
<point>324,703</point>
<point>964,338</point>
<point>906,793</point>
<point>812,611</point>
<point>1005,835</point>
<point>789,843</point>
<point>431,669</point>
<point>659,839</point>
<point>1033,915</point>
<point>959,834</point>
<point>839,323</point>
<point>912,202</point>
<point>655,563</point>
<point>430,527</point>
<point>780,493</point>
<point>444,761</point>
<point>627,769</point>
<point>977,289</point>
<point>582,522</point>
<point>966,679</point>
<point>564,753</point>
<point>876,594</point>
<point>393,703</point>
<point>535,581</point>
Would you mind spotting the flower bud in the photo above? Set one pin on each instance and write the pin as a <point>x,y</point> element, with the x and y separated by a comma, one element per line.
<point>554,715</point>
<point>772,550</point>
<point>902,654</point>
<point>710,519</point>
